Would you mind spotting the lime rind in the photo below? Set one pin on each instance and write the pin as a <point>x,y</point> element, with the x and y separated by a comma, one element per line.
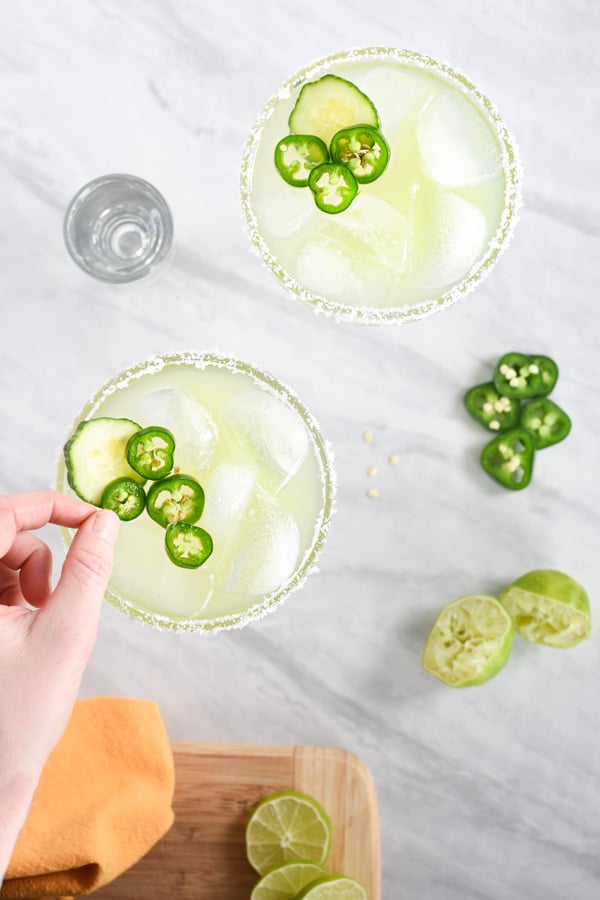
<point>287,826</point>
<point>470,641</point>
<point>333,887</point>
<point>284,882</point>
<point>549,608</point>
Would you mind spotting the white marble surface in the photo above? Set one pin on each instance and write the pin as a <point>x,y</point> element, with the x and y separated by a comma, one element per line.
<point>486,793</point>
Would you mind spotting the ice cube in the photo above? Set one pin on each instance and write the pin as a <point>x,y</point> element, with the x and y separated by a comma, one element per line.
<point>270,550</point>
<point>356,258</point>
<point>451,235</point>
<point>396,94</point>
<point>190,423</point>
<point>276,434</point>
<point>325,267</point>
<point>283,213</point>
<point>457,146</point>
<point>228,493</point>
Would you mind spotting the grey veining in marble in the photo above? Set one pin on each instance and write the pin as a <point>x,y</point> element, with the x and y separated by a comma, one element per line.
<point>484,794</point>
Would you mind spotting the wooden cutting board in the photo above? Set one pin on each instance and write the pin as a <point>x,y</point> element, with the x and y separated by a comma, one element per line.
<point>217,786</point>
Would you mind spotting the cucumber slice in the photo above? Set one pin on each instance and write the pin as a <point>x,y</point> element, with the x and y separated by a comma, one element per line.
<point>328,105</point>
<point>95,456</point>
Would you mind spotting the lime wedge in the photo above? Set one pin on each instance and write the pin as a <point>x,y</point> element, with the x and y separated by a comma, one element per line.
<point>333,887</point>
<point>470,641</point>
<point>286,881</point>
<point>287,826</point>
<point>548,608</point>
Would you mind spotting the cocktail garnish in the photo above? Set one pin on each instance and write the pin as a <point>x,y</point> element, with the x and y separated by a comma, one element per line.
<point>334,187</point>
<point>332,111</point>
<point>150,452</point>
<point>188,545</point>
<point>363,149</point>
<point>297,155</point>
<point>177,498</point>
<point>329,104</point>
<point>95,456</point>
<point>125,497</point>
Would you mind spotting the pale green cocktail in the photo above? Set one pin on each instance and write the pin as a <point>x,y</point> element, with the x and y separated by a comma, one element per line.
<point>423,234</point>
<point>268,481</point>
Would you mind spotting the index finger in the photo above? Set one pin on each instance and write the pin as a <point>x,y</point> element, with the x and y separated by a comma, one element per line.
<point>26,512</point>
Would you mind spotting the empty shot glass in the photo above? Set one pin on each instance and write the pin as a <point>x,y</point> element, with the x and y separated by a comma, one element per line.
<point>118,228</point>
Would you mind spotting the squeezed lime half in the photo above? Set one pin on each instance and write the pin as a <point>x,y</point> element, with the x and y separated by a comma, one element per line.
<point>287,826</point>
<point>333,887</point>
<point>548,608</point>
<point>470,641</point>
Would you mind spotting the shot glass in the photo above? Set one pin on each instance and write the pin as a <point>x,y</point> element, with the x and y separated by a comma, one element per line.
<point>118,228</point>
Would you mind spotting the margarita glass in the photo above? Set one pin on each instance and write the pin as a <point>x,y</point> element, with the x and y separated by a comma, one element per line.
<point>268,480</point>
<point>420,236</point>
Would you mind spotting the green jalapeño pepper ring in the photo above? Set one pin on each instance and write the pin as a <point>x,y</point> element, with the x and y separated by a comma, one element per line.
<point>549,372</point>
<point>517,376</point>
<point>187,545</point>
<point>334,187</point>
<point>508,459</point>
<point>177,498</point>
<point>495,412</point>
<point>363,149</point>
<point>125,497</point>
<point>297,155</point>
<point>150,452</point>
<point>546,422</point>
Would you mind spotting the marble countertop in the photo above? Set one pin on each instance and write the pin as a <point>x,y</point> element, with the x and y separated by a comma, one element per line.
<point>488,793</point>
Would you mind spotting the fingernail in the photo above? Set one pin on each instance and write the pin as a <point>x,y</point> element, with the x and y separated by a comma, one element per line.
<point>106,525</point>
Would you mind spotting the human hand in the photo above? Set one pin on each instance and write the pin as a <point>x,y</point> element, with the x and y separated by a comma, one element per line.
<point>43,651</point>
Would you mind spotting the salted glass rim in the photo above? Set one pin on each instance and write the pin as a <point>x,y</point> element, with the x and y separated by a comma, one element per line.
<point>323,453</point>
<point>511,168</point>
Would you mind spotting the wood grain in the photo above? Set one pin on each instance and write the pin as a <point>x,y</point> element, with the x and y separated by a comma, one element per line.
<point>217,786</point>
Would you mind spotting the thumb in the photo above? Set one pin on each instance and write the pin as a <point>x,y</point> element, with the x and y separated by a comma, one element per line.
<point>86,570</point>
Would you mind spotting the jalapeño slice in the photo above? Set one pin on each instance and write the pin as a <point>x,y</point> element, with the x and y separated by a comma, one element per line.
<point>546,422</point>
<point>150,452</point>
<point>549,372</point>
<point>178,498</point>
<point>508,459</point>
<point>517,376</point>
<point>363,149</point>
<point>334,187</point>
<point>297,155</point>
<point>125,497</point>
<point>495,412</point>
<point>188,545</point>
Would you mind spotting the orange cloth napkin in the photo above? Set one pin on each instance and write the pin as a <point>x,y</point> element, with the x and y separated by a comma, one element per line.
<point>103,800</point>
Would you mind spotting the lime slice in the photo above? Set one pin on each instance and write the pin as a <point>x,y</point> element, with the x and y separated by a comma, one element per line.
<point>287,826</point>
<point>470,641</point>
<point>548,608</point>
<point>333,887</point>
<point>286,881</point>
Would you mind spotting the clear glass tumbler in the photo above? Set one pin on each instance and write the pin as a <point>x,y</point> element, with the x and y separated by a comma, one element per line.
<point>118,228</point>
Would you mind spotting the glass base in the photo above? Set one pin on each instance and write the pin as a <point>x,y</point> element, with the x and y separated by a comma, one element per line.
<point>118,228</point>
